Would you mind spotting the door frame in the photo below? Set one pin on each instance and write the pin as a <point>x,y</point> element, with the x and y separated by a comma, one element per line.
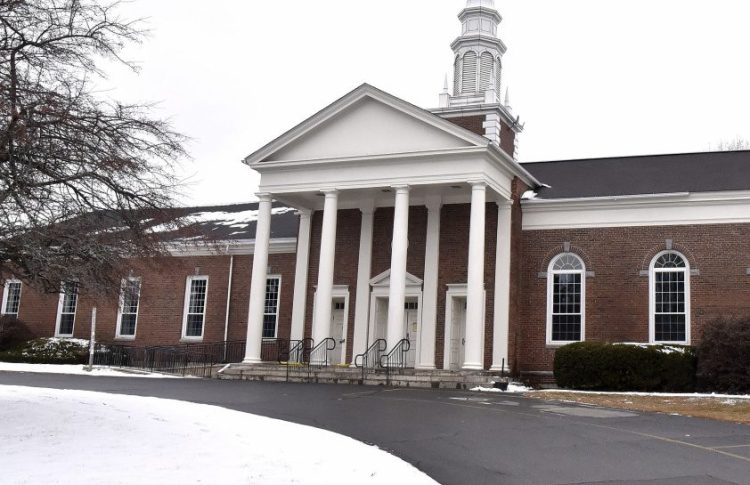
<point>341,292</point>
<point>381,292</point>
<point>457,291</point>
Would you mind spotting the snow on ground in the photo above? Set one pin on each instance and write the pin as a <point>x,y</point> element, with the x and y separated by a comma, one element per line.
<point>512,388</point>
<point>71,437</point>
<point>694,395</point>
<point>76,369</point>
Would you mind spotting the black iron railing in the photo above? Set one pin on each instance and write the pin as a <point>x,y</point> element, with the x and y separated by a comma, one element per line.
<point>319,354</point>
<point>370,358</point>
<point>396,359</point>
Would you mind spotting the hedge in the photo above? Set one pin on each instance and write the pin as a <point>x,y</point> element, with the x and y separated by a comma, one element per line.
<point>49,351</point>
<point>724,356</point>
<point>622,367</point>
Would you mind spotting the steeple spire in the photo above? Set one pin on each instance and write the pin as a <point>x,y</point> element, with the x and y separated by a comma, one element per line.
<point>478,63</point>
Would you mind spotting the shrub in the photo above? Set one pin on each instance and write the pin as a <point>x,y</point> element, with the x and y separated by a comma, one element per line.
<point>724,356</point>
<point>49,351</point>
<point>622,367</point>
<point>13,332</point>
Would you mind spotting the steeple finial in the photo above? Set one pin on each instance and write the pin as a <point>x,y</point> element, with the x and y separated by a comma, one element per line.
<point>445,85</point>
<point>507,99</point>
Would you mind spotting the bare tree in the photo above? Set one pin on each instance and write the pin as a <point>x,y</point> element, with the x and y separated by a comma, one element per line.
<point>735,145</point>
<point>77,173</point>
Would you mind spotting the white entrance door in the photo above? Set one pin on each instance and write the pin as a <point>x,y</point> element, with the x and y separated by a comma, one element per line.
<point>337,333</point>
<point>458,333</point>
<point>411,325</point>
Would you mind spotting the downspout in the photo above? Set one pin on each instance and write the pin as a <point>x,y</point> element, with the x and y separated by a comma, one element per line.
<point>229,295</point>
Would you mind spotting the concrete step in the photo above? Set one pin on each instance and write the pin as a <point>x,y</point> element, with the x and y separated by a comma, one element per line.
<point>441,379</point>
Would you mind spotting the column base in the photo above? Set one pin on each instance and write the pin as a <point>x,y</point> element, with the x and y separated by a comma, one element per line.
<point>249,360</point>
<point>470,366</point>
<point>424,367</point>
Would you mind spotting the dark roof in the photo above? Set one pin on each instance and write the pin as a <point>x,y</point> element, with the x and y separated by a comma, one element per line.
<point>653,174</point>
<point>229,222</point>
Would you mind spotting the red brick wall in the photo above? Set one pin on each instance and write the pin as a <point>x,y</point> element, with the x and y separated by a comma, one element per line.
<point>160,313</point>
<point>508,139</point>
<point>617,299</point>
<point>471,123</point>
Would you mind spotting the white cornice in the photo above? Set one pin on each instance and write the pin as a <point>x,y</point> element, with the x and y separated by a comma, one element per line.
<point>363,91</point>
<point>228,248</point>
<point>638,210</point>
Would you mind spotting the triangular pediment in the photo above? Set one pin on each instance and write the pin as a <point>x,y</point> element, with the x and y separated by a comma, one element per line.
<point>366,122</point>
<point>384,279</point>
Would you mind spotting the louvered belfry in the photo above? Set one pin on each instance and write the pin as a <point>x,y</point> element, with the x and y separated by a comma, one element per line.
<point>478,62</point>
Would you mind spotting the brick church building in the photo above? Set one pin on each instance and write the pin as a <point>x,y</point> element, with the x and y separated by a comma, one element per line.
<point>378,219</point>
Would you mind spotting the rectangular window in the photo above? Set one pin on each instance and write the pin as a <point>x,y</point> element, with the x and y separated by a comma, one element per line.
<point>271,310</point>
<point>66,310</point>
<point>11,298</point>
<point>669,314</point>
<point>130,297</point>
<point>196,292</point>
<point>566,307</point>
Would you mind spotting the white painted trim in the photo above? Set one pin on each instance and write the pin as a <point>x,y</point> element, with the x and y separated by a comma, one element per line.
<point>379,281</point>
<point>361,92</point>
<point>455,290</point>
<point>59,313</point>
<point>188,283</point>
<point>381,293</point>
<point>550,289</point>
<point>243,247</point>
<point>301,268</point>
<point>652,297</point>
<point>364,269</point>
<point>639,210</point>
<point>118,326</point>
<point>6,290</point>
<point>339,292</point>
<point>278,306</point>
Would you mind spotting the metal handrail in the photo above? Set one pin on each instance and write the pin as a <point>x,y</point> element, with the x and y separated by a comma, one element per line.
<point>319,354</point>
<point>371,355</point>
<point>395,359</point>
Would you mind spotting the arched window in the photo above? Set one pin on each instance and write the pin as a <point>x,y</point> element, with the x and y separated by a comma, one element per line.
<point>498,77</point>
<point>566,299</point>
<point>469,73</point>
<point>669,302</point>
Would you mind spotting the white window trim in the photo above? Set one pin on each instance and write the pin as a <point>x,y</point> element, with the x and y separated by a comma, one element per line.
<point>118,329</point>
<point>6,288</point>
<point>550,299</point>
<point>652,298</point>
<point>186,307</point>
<point>278,305</point>
<point>60,301</point>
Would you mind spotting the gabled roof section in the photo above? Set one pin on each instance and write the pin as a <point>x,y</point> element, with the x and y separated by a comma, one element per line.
<point>643,175</point>
<point>367,121</point>
<point>384,279</point>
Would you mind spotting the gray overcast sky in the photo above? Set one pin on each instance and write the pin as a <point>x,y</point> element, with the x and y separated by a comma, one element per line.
<point>589,77</point>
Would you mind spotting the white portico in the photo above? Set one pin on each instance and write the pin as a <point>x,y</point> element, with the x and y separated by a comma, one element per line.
<point>370,150</point>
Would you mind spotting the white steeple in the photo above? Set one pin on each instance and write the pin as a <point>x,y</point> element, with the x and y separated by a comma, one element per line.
<point>478,55</point>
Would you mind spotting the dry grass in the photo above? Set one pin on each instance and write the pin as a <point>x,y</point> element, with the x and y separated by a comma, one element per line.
<point>723,409</point>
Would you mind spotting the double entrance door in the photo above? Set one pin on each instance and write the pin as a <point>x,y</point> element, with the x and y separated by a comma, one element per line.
<point>411,325</point>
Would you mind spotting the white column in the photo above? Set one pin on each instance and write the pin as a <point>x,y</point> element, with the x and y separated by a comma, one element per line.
<point>399,246</point>
<point>364,268</point>
<point>258,282</point>
<point>430,291</point>
<point>502,288</point>
<point>323,296</point>
<point>300,276</point>
<point>473,355</point>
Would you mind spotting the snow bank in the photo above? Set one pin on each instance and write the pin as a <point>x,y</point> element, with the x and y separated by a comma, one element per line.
<point>74,369</point>
<point>73,437</point>
<point>512,388</point>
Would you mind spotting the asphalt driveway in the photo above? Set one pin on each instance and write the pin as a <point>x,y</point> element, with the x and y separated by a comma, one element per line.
<point>467,438</point>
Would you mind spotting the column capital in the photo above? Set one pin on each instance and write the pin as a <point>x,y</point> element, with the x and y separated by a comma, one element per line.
<point>367,207</point>
<point>304,213</point>
<point>477,184</point>
<point>401,188</point>
<point>330,192</point>
<point>264,196</point>
<point>433,202</point>
<point>503,204</point>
